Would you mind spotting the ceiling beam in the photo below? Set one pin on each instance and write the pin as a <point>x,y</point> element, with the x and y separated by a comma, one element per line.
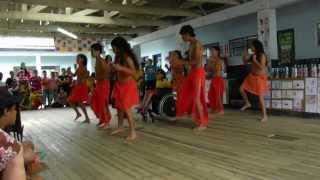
<point>109,7</point>
<point>85,12</point>
<point>37,9</point>
<point>229,2</point>
<point>80,19</point>
<point>73,28</point>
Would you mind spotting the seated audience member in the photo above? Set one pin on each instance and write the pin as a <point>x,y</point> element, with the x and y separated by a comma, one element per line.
<point>12,83</point>
<point>45,90</point>
<point>2,84</point>
<point>23,74</point>
<point>15,157</point>
<point>161,83</point>
<point>35,83</point>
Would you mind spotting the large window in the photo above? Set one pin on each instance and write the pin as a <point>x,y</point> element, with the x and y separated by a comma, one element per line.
<point>27,43</point>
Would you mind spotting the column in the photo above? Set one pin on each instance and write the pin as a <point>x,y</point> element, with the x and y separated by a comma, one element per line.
<point>267,32</point>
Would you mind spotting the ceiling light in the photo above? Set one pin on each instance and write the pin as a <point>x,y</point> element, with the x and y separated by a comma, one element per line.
<point>124,2</point>
<point>67,33</point>
<point>40,23</point>
<point>7,19</point>
<point>21,20</point>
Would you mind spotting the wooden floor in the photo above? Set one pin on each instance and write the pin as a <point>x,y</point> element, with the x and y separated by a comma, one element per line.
<point>235,146</point>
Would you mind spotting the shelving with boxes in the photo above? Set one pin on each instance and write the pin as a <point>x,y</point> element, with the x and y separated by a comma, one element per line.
<point>296,95</point>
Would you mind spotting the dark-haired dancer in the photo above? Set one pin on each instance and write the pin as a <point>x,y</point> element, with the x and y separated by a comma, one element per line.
<point>216,91</point>
<point>100,95</point>
<point>257,81</point>
<point>125,91</point>
<point>191,96</point>
<point>79,93</point>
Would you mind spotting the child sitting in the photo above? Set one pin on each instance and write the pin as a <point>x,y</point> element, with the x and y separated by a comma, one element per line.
<point>161,83</point>
<point>10,149</point>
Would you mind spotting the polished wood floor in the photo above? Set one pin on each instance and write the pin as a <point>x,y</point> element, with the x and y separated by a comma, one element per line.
<point>236,146</point>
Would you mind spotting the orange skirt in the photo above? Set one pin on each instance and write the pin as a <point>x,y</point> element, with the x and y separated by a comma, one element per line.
<point>187,97</point>
<point>125,94</point>
<point>79,93</point>
<point>100,101</point>
<point>215,93</point>
<point>256,84</point>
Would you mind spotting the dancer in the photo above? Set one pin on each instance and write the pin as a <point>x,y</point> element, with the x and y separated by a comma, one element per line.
<point>100,95</point>
<point>256,82</point>
<point>125,91</point>
<point>191,96</point>
<point>216,91</point>
<point>79,93</point>
<point>177,69</point>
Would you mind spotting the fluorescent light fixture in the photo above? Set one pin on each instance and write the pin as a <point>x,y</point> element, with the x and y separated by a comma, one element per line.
<point>30,43</point>
<point>67,33</point>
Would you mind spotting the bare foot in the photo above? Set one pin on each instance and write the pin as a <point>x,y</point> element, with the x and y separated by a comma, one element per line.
<point>101,125</point>
<point>106,127</point>
<point>245,107</point>
<point>87,121</point>
<point>132,136</point>
<point>264,119</point>
<point>199,128</point>
<point>117,131</point>
<point>221,113</point>
<point>77,117</point>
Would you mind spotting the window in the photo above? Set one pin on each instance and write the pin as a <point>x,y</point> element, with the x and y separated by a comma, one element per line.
<point>38,43</point>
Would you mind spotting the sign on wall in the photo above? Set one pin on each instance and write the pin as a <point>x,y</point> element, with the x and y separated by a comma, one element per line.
<point>286,46</point>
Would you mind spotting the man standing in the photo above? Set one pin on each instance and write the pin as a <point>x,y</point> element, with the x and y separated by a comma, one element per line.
<point>191,97</point>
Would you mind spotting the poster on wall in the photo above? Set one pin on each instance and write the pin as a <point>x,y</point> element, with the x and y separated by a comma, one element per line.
<point>286,46</point>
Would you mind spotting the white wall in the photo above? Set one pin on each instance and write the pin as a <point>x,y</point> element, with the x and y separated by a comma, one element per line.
<point>302,16</point>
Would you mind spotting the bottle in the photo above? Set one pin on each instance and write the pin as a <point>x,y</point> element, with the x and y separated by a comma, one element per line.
<point>305,71</point>
<point>286,74</point>
<point>314,70</point>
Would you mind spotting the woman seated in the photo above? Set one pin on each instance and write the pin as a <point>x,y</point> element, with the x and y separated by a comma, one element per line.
<point>161,83</point>
<point>15,157</point>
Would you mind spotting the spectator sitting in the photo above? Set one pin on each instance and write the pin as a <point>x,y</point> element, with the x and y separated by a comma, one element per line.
<point>161,83</point>
<point>15,157</point>
<point>12,83</point>
<point>2,84</point>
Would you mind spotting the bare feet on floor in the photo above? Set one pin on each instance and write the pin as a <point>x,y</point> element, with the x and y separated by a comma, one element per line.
<point>117,131</point>
<point>264,119</point>
<point>132,136</point>
<point>221,113</point>
<point>77,117</point>
<point>87,121</point>
<point>245,107</point>
<point>199,128</point>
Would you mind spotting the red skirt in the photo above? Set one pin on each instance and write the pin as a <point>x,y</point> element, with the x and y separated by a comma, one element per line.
<point>256,84</point>
<point>79,93</point>
<point>193,86</point>
<point>100,101</point>
<point>125,94</point>
<point>215,93</point>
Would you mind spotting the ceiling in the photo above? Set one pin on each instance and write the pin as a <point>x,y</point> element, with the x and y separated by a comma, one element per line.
<point>105,18</point>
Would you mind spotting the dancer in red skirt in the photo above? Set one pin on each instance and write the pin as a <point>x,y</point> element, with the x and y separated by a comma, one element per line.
<point>257,81</point>
<point>100,95</point>
<point>191,96</point>
<point>216,90</point>
<point>125,91</point>
<point>177,69</point>
<point>79,93</point>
